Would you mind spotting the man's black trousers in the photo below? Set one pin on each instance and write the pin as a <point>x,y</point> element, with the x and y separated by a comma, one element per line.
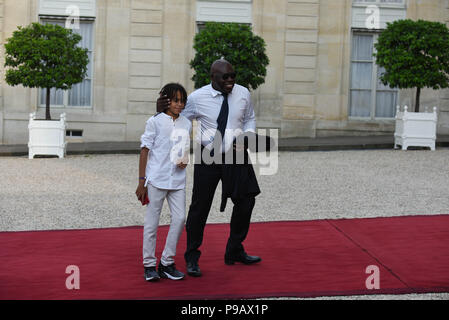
<point>205,181</point>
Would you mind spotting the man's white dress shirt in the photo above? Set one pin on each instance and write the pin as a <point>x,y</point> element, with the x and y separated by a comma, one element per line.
<point>168,141</point>
<point>204,105</point>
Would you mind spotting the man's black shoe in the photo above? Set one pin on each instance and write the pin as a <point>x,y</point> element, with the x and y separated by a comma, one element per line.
<point>243,258</point>
<point>193,269</point>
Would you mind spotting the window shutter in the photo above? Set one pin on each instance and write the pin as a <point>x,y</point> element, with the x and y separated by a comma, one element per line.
<point>224,11</point>
<point>85,8</point>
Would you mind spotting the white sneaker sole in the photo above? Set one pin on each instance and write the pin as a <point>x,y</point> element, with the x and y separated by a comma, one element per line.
<point>154,279</point>
<point>169,276</point>
<point>151,279</point>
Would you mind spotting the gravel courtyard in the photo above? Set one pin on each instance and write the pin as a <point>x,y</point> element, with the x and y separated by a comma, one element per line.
<point>97,191</point>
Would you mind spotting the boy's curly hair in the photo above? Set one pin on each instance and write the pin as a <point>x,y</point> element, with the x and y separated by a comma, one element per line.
<point>171,89</point>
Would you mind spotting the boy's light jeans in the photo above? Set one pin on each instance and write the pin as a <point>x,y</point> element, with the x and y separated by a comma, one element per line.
<point>176,202</point>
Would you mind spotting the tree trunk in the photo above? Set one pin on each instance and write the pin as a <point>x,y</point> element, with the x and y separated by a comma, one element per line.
<point>47,105</point>
<point>418,95</point>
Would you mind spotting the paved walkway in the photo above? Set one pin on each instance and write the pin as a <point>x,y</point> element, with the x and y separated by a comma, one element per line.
<point>285,144</point>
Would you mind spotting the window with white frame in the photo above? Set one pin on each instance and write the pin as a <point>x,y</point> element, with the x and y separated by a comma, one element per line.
<point>369,98</point>
<point>81,93</point>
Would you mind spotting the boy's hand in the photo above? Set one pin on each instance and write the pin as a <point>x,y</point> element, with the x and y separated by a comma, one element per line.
<point>182,163</point>
<point>141,191</point>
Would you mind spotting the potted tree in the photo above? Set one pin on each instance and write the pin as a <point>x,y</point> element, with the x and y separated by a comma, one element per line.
<point>237,44</point>
<point>45,56</point>
<point>415,54</point>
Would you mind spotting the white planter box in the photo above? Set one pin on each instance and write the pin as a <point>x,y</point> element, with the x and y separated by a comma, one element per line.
<point>417,129</point>
<point>46,137</point>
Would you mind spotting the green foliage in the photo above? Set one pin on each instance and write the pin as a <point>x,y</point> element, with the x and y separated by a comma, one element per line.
<point>45,56</point>
<point>237,44</point>
<point>415,54</point>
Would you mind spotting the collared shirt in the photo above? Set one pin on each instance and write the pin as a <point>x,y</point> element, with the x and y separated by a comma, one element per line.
<point>204,105</point>
<point>168,141</point>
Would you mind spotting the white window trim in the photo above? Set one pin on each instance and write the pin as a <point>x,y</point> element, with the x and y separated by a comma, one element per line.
<point>374,90</point>
<point>92,78</point>
<point>380,4</point>
<point>402,5</point>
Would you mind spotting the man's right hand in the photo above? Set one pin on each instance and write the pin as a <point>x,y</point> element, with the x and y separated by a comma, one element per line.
<point>162,103</point>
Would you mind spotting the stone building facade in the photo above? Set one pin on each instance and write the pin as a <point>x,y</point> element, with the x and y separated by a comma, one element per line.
<point>321,79</point>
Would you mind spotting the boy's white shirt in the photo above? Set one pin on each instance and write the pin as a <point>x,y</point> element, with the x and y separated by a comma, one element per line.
<point>168,141</point>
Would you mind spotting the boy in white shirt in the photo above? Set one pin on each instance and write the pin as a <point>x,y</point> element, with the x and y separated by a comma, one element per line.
<point>163,159</point>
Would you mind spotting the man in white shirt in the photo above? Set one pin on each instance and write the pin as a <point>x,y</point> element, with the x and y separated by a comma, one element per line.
<point>223,109</point>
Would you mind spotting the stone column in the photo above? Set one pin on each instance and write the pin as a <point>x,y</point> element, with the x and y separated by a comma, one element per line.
<point>300,72</point>
<point>145,64</point>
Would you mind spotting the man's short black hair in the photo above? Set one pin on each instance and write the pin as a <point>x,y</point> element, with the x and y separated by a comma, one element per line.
<point>217,63</point>
<point>171,89</point>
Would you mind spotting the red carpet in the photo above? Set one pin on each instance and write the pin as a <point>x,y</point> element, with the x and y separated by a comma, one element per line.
<point>302,259</point>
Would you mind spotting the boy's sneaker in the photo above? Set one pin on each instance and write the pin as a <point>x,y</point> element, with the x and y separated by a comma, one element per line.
<point>151,274</point>
<point>170,272</point>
